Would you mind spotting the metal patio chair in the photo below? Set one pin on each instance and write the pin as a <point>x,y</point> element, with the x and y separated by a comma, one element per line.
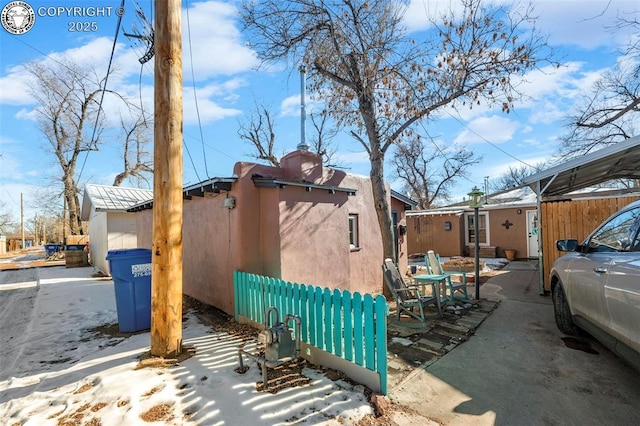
<point>457,291</point>
<point>409,299</point>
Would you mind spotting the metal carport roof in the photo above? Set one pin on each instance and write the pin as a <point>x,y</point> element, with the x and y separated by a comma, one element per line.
<point>619,161</point>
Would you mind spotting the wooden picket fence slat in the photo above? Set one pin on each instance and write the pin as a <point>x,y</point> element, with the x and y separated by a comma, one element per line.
<point>350,326</point>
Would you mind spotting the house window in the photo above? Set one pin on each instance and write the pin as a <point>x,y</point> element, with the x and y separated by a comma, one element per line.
<point>353,232</point>
<point>482,230</point>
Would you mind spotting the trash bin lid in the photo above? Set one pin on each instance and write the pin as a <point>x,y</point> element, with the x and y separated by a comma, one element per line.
<point>128,253</point>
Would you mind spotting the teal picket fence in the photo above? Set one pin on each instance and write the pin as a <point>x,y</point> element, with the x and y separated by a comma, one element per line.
<point>349,326</point>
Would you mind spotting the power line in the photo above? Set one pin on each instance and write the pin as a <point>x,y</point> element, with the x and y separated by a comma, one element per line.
<point>487,141</point>
<point>195,96</point>
<point>119,23</point>
<point>104,89</point>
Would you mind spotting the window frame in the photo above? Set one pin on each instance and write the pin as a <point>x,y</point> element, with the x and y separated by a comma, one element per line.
<point>481,215</point>
<point>354,232</point>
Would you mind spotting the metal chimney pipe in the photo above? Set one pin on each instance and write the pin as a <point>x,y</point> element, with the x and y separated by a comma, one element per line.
<point>303,114</point>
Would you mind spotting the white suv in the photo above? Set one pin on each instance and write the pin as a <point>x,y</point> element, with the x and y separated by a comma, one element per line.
<point>596,286</point>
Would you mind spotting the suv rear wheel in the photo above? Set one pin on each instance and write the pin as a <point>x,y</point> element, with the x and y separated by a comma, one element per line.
<point>564,321</point>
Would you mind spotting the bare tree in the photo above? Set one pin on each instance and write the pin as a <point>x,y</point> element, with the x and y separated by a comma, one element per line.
<point>259,131</point>
<point>137,161</point>
<point>609,114</point>
<point>6,222</point>
<point>379,82</point>
<point>324,132</point>
<point>514,176</point>
<point>424,182</point>
<point>68,99</point>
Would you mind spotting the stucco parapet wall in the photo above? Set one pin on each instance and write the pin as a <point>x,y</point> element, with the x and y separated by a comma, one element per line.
<point>301,167</point>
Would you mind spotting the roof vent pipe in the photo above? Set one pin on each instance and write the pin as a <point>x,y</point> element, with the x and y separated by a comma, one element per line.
<point>303,115</point>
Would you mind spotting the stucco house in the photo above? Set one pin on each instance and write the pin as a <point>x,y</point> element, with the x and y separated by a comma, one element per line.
<point>300,222</point>
<point>507,221</point>
<point>111,226</point>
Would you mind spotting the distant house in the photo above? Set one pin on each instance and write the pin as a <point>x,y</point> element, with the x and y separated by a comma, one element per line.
<point>301,222</point>
<point>14,242</point>
<point>506,221</point>
<point>110,225</point>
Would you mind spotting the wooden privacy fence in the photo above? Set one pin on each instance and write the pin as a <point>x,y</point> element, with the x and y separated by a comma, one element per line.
<point>349,326</point>
<point>573,219</point>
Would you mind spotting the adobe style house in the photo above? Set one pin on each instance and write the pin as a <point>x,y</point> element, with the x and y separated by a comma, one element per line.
<point>300,222</point>
<point>507,221</point>
<point>110,227</point>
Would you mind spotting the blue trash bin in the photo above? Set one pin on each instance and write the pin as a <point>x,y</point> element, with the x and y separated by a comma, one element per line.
<point>131,273</point>
<point>51,249</point>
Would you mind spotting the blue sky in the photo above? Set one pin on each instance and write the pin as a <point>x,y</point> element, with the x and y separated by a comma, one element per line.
<point>227,84</point>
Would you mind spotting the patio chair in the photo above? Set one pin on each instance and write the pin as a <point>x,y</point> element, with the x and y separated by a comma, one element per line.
<point>409,299</point>
<point>457,291</point>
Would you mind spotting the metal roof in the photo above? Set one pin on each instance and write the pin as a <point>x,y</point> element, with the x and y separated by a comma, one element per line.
<point>619,161</point>
<point>112,198</point>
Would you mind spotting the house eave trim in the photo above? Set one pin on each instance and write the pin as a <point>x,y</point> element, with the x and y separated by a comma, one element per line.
<point>266,182</point>
<point>213,185</point>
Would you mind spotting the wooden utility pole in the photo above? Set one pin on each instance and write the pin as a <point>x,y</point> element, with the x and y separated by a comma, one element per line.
<point>22,220</point>
<point>166,287</point>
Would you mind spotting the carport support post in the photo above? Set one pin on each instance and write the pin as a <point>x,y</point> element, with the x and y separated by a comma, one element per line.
<point>166,286</point>
<point>477,251</point>
<point>475,197</point>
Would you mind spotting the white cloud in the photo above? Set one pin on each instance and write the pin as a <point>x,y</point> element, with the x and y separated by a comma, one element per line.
<point>350,157</point>
<point>498,169</point>
<point>208,107</point>
<point>583,23</point>
<point>209,111</point>
<point>586,24</point>
<point>14,89</point>
<point>495,129</point>
<point>290,106</point>
<point>216,45</point>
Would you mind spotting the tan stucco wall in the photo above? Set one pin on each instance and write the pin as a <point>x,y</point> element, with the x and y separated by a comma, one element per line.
<point>427,232</point>
<point>289,233</point>
<point>513,238</point>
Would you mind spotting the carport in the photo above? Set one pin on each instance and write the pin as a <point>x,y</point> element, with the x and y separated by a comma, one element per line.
<point>619,161</point>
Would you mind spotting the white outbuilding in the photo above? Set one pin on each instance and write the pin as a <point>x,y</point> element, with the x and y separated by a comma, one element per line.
<point>111,227</point>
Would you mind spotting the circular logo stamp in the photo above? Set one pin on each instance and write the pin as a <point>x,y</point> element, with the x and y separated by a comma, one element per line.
<point>18,17</point>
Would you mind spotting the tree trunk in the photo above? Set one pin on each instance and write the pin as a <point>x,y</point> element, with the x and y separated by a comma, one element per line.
<point>73,206</point>
<point>383,210</point>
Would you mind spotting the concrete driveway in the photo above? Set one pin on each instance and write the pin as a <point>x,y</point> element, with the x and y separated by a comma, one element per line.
<point>518,369</point>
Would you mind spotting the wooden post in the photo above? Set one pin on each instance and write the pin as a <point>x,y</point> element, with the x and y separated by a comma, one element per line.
<point>22,219</point>
<point>166,288</point>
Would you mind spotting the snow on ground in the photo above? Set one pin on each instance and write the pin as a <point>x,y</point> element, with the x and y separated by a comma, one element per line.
<point>54,370</point>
